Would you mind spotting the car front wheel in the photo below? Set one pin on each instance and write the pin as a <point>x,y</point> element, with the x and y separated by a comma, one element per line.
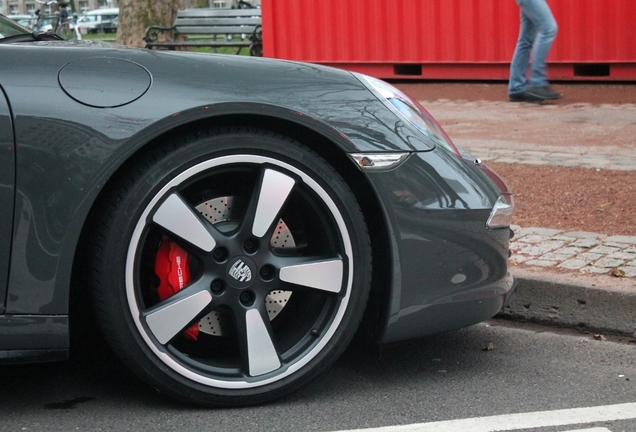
<point>230,267</point>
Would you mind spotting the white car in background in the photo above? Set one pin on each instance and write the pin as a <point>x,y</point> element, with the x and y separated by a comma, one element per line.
<point>23,19</point>
<point>92,21</point>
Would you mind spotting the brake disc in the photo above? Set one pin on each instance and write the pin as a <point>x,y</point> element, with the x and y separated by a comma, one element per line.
<point>222,212</point>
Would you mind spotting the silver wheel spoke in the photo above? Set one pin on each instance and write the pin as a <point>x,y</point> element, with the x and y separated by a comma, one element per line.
<point>177,217</point>
<point>275,190</point>
<point>321,275</point>
<point>261,353</point>
<point>173,315</point>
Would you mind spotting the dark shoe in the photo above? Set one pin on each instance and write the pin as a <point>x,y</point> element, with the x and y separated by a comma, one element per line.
<point>524,96</point>
<point>544,92</point>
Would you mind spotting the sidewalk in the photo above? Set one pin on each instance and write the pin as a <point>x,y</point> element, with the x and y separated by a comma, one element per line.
<point>574,279</point>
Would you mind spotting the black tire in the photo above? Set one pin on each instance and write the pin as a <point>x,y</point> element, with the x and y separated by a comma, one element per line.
<point>268,226</point>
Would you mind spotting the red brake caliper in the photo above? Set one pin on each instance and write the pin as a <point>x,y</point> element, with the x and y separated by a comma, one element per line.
<point>171,266</point>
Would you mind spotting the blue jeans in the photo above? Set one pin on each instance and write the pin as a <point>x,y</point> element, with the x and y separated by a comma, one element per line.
<point>538,30</point>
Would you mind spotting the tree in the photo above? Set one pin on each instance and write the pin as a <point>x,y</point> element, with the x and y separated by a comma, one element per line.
<point>136,15</point>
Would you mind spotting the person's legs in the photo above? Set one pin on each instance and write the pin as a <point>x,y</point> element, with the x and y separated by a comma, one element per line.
<point>539,13</point>
<point>521,57</point>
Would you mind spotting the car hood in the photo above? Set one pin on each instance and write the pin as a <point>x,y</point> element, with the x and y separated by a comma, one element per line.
<point>158,85</point>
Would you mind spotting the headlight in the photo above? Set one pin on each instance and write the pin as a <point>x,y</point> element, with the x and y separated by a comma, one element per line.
<point>411,111</point>
<point>502,212</point>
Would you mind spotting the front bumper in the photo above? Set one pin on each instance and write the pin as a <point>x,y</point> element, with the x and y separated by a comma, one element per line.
<point>447,268</point>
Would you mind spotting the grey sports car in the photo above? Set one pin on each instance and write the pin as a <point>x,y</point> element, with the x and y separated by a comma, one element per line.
<point>231,221</point>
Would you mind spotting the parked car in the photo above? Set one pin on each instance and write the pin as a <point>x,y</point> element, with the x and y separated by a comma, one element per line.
<point>44,25</point>
<point>109,26</point>
<point>232,234</point>
<point>92,21</point>
<point>23,19</point>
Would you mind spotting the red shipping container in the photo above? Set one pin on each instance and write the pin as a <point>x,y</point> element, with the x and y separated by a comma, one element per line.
<point>449,39</point>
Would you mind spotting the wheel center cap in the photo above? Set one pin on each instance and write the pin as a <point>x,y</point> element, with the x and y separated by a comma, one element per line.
<point>241,271</point>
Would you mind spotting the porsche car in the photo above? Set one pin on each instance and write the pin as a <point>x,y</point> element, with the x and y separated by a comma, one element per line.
<point>231,222</point>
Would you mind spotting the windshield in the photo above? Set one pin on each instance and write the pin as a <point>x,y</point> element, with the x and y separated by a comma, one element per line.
<point>9,28</point>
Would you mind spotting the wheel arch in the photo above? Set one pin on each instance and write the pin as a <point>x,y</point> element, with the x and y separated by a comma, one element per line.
<point>330,145</point>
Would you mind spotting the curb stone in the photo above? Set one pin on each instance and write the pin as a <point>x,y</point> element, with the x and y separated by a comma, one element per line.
<point>592,303</point>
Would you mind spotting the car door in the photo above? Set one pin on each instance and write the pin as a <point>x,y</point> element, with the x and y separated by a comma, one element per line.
<point>7,184</point>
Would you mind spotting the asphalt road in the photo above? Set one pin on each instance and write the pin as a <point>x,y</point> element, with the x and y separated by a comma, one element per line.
<point>490,369</point>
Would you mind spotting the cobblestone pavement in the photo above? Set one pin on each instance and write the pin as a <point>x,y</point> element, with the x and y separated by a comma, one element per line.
<point>601,136</point>
<point>584,252</point>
